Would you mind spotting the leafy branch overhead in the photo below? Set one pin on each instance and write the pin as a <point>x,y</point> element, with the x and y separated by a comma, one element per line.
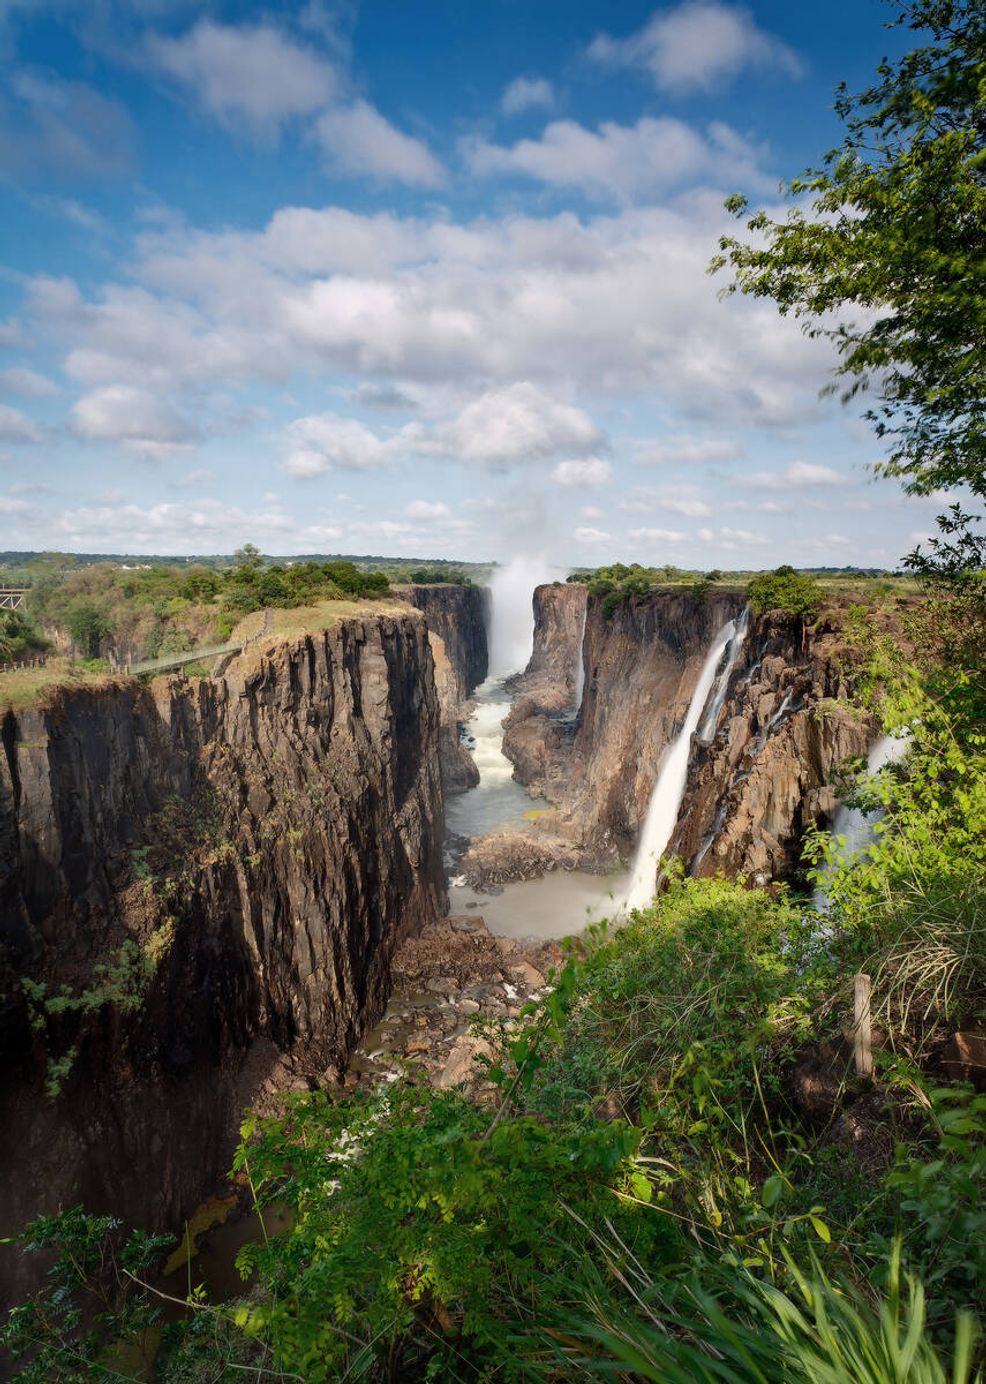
<point>884,250</point>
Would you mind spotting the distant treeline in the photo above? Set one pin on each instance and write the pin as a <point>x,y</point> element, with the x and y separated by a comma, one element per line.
<point>17,566</point>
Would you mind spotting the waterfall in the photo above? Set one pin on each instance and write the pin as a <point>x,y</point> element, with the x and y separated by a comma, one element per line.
<point>662,810</point>
<point>853,824</point>
<point>512,617</point>
<point>580,663</point>
<point>711,719</point>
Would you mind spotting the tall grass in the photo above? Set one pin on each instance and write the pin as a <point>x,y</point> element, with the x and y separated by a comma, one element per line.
<point>733,1328</point>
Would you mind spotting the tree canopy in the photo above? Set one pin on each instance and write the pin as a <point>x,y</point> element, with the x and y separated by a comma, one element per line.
<point>884,251</point>
<point>785,589</point>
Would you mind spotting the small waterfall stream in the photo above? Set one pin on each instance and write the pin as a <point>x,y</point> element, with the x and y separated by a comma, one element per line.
<point>580,665</point>
<point>710,720</point>
<point>852,825</point>
<point>665,800</point>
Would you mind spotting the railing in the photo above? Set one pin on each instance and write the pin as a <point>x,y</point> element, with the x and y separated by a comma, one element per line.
<point>11,596</point>
<point>16,666</point>
<point>161,665</point>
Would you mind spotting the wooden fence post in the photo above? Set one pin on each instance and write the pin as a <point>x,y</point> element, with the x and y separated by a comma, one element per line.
<point>862,1029</point>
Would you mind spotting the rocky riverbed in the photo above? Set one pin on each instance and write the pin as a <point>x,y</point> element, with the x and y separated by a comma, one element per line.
<point>456,987</point>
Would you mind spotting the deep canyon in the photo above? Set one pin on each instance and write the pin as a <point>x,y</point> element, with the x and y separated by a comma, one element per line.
<point>203,882</point>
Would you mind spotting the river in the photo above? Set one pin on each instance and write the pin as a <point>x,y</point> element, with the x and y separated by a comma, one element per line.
<point>562,902</point>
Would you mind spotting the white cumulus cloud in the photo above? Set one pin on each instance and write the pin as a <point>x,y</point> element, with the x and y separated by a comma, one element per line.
<point>525,92</point>
<point>427,509</point>
<point>624,162</point>
<point>518,423</point>
<point>649,535</point>
<point>357,140</point>
<point>591,472</point>
<point>16,426</point>
<point>251,74</point>
<point>591,536</point>
<point>797,475</point>
<point>697,45</point>
<point>321,442</point>
<point>139,420</point>
<point>28,383</point>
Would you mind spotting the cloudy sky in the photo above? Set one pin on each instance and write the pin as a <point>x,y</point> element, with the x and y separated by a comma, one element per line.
<point>424,279</point>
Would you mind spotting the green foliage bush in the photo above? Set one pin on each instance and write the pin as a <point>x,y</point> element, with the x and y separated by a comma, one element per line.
<point>785,589</point>
<point>19,638</point>
<point>431,576</point>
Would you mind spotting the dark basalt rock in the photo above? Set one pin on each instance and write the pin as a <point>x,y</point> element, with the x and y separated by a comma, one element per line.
<point>316,764</point>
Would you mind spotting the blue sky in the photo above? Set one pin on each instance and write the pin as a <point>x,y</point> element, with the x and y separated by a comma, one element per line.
<point>423,279</point>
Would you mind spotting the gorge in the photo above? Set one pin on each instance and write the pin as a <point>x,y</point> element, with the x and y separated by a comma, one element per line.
<point>205,880</point>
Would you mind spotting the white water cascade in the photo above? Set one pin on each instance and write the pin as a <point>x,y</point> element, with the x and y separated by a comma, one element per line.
<point>710,720</point>
<point>665,800</point>
<point>512,622</point>
<point>580,664</point>
<point>853,827</point>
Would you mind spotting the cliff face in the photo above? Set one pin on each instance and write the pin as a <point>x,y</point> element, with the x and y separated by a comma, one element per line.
<point>241,856</point>
<point>457,620</point>
<point>640,666</point>
<point>559,619</point>
<point>783,730</point>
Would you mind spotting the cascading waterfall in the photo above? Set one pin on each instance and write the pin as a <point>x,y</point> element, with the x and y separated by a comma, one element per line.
<point>580,664</point>
<point>662,810</point>
<point>854,827</point>
<point>710,720</point>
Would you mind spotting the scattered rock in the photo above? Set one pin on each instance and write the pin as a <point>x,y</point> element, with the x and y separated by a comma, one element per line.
<point>471,925</point>
<point>525,974</point>
<point>459,1066</point>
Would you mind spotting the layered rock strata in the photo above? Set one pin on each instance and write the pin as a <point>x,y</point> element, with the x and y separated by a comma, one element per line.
<point>457,618</point>
<point>212,876</point>
<point>641,664</point>
<point>783,730</point>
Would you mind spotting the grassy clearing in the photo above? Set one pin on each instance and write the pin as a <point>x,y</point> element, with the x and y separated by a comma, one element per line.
<point>270,628</point>
<point>28,687</point>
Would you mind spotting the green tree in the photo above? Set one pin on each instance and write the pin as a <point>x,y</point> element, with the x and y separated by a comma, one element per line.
<point>891,232</point>
<point>87,624</point>
<point>785,589</point>
<point>249,557</point>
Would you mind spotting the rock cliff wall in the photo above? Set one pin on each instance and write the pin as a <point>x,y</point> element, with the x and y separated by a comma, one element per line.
<point>783,730</point>
<point>457,618</point>
<point>240,856</point>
